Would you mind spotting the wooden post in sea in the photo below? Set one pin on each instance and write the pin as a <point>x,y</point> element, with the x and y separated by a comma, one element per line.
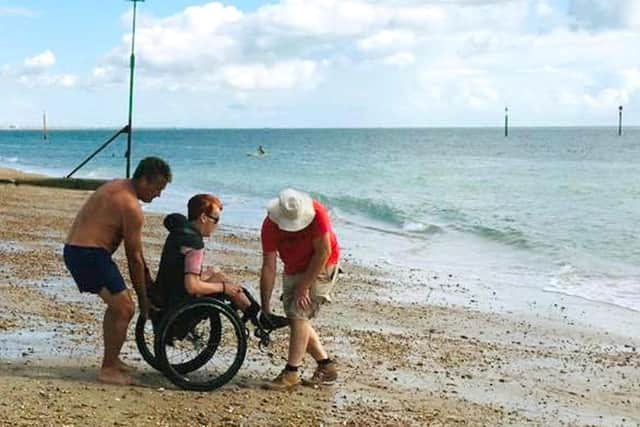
<point>44,125</point>
<point>506,121</point>
<point>620,120</point>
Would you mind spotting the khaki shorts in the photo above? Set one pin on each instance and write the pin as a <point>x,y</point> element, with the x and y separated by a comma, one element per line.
<point>320,293</point>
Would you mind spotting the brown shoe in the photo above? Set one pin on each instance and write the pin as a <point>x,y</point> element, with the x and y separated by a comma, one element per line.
<point>286,380</point>
<point>324,375</point>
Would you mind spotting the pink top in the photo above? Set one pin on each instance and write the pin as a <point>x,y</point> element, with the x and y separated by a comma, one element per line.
<point>193,259</point>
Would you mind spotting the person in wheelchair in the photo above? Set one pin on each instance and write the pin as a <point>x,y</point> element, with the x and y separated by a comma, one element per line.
<point>181,274</point>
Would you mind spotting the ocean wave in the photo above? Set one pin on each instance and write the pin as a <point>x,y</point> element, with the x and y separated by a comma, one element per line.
<point>369,208</point>
<point>12,159</point>
<point>385,218</point>
<point>509,236</point>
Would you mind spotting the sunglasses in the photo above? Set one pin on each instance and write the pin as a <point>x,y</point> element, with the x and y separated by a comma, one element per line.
<point>215,219</point>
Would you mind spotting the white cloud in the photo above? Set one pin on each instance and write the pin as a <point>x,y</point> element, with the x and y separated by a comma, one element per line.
<point>61,80</point>
<point>480,94</point>
<point>633,15</point>
<point>66,80</point>
<point>35,72</point>
<point>320,17</point>
<point>196,37</point>
<point>473,57</point>
<point>40,61</point>
<point>190,48</point>
<point>421,15</point>
<point>607,98</point>
<point>611,97</point>
<point>443,72</point>
<point>400,58</point>
<point>543,9</point>
<point>99,72</point>
<point>279,76</point>
<point>17,11</point>
<point>631,79</point>
<point>472,88</point>
<point>387,39</point>
<point>567,98</point>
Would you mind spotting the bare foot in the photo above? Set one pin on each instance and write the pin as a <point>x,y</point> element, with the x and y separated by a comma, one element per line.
<point>127,369</point>
<point>115,376</point>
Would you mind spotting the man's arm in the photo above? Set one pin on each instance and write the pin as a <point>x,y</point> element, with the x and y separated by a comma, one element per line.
<point>267,279</point>
<point>321,253</point>
<point>132,231</point>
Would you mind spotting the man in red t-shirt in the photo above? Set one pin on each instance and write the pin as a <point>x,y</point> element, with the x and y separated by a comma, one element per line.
<point>298,229</point>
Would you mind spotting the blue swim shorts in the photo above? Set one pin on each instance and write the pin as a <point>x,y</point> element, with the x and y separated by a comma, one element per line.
<point>93,269</point>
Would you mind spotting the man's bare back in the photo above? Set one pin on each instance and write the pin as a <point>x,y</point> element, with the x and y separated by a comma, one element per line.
<point>99,223</point>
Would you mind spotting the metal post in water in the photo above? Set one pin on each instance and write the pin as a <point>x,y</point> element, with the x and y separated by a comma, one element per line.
<point>506,121</point>
<point>620,120</point>
<point>132,64</point>
<point>44,125</point>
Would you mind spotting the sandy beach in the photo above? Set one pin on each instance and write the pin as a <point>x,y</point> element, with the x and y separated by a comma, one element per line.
<point>401,363</point>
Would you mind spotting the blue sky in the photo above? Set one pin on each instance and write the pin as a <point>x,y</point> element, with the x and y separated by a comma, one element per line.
<point>321,63</point>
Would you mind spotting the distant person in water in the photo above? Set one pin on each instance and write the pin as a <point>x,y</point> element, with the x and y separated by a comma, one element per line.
<point>181,272</point>
<point>110,215</point>
<point>261,150</point>
<point>298,229</point>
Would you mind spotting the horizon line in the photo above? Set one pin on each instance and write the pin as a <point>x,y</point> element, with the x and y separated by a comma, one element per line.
<point>63,128</point>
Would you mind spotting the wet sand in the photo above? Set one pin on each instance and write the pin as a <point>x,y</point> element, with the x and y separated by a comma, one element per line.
<point>401,364</point>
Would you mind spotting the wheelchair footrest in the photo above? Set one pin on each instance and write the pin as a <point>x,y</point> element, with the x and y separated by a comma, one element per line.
<point>272,321</point>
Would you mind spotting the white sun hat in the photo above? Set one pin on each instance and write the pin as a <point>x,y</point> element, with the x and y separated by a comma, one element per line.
<point>292,210</point>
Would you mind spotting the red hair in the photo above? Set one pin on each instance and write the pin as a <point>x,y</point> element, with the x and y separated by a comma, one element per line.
<point>202,204</point>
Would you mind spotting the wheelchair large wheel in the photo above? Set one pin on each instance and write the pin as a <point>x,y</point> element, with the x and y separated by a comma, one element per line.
<point>145,340</point>
<point>201,345</point>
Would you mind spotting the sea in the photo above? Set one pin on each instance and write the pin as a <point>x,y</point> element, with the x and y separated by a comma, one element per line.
<point>554,210</point>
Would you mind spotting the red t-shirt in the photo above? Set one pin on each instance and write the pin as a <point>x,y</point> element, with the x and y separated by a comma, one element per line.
<point>296,248</point>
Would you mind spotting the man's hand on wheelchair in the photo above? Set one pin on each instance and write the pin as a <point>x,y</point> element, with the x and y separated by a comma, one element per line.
<point>145,306</point>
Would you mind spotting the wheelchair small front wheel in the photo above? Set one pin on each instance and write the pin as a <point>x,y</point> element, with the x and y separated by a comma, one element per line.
<point>201,345</point>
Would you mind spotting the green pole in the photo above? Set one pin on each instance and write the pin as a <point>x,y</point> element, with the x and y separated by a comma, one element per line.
<point>132,64</point>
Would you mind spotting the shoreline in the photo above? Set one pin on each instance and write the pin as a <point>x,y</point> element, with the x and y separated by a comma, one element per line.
<point>402,362</point>
<point>429,267</point>
<point>426,276</point>
<point>498,298</point>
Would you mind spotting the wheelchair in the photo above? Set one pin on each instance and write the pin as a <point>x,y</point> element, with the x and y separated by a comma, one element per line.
<point>201,343</point>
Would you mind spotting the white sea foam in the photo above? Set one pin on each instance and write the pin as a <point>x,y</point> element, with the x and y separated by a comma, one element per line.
<point>419,227</point>
<point>623,291</point>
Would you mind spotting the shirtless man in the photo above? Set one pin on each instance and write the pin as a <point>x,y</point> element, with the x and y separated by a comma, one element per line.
<point>110,215</point>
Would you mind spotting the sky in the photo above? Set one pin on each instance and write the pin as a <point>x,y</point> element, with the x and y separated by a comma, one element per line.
<point>320,63</point>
